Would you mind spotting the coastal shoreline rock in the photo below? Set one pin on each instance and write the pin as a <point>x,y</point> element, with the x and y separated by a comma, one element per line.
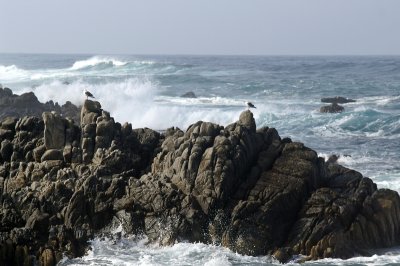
<point>27,104</point>
<point>62,184</point>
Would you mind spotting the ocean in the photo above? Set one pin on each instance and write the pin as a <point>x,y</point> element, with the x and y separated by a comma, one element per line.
<point>287,90</point>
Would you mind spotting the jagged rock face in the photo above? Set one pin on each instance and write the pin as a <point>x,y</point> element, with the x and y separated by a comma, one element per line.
<point>257,194</point>
<point>46,190</point>
<point>54,131</point>
<point>91,110</point>
<point>247,189</point>
<point>27,104</point>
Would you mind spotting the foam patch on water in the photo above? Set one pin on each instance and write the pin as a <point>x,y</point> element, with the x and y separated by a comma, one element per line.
<point>131,251</point>
<point>202,101</point>
<point>137,252</point>
<point>389,179</point>
<point>390,257</point>
<point>377,100</point>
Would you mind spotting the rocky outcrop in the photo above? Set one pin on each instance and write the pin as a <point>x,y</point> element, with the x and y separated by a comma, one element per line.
<point>189,94</point>
<point>27,104</point>
<point>244,188</point>
<point>337,100</point>
<point>332,108</point>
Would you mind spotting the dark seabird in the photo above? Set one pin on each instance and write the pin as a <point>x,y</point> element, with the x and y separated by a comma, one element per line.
<point>88,94</point>
<point>250,105</point>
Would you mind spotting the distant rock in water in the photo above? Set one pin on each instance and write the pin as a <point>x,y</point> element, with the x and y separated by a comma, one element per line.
<point>333,108</point>
<point>189,94</point>
<point>28,104</point>
<point>333,158</point>
<point>62,184</point>
<point>337,99</point>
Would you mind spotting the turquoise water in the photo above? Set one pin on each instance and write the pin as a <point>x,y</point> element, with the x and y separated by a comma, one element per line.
<point>145,90</point>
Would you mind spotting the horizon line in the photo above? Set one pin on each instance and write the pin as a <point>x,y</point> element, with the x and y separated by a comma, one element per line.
<point>190,54</point>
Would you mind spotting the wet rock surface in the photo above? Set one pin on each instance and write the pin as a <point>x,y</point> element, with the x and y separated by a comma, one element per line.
<point>62,184</point>
<point>332,108</point>
<point>337,100</point>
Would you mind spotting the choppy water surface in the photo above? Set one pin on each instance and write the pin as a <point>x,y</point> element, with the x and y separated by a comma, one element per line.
<point>145,90</point>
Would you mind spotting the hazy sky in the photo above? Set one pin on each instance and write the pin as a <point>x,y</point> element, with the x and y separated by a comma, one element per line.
<point>201,27</point>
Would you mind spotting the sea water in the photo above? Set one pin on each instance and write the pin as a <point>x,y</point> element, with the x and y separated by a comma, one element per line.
<point>146,90</point>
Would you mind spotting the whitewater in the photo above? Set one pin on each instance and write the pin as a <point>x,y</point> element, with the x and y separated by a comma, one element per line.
<point>146,91</point>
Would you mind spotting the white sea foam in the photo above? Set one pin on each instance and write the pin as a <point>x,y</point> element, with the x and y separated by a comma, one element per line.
<point>135,100</point>
<point>375,101</point>
<point>202,101</point>
<point>389,257</point>
<point>137,252</point>
<point>97,60</point>
<point>132,251</point>
<point>355,160</point>
<point>10,73</point>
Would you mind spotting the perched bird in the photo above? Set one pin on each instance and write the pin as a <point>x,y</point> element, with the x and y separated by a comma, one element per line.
<point>250,105</point>
<point>88,94</point>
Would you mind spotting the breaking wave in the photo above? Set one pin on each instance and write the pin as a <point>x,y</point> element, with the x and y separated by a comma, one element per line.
<point>136,100</point>
<point>12,72</point>
<point>97,60</point>
<point>129,252</point>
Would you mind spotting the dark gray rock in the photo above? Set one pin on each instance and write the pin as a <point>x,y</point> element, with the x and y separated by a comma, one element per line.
<point>6,150</point>
<point>189,94</point>
<point>52,155</point>
<point>337,100</point>
<point>6,134</point>
<point>333,108</point>
<point>38,221</point>
<point>54,131</point>
<point>245,189</point>
<point>9,123</point>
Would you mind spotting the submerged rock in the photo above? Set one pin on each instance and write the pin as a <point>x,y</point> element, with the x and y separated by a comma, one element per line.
<point>247,189</point>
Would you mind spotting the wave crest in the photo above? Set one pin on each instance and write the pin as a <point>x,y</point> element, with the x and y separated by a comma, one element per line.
<point>11,72</point>
<point>95,61</point>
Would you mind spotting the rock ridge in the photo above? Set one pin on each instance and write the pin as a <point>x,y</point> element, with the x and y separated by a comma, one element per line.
<point>248,189</point>
<point>27,104</point>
